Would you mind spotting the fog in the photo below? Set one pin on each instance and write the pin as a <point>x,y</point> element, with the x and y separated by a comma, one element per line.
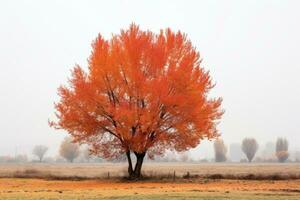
<point>250,47</point>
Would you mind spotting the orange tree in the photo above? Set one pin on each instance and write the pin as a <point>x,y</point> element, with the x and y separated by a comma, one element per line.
<point>143,93</point>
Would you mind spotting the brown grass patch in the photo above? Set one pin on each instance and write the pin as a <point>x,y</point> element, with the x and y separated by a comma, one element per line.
<point>153,172</point>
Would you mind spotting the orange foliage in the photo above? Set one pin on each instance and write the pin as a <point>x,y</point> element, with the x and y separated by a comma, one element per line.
<point>143,92</point>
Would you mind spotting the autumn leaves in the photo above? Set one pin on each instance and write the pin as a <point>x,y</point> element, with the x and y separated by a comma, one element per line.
<point>143,93</point>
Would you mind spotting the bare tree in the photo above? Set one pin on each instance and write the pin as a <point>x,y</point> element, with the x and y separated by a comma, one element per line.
<point>40,151</point>
<point>69,150</point>
<point>220,150</point>
<point>282,147</point>
<point>249,147</point>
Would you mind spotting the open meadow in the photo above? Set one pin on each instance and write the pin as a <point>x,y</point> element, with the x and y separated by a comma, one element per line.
<point>152,170</point>
<point>105,181</point>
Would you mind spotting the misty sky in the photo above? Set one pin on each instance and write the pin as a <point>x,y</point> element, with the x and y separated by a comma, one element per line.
<point>250,47</point>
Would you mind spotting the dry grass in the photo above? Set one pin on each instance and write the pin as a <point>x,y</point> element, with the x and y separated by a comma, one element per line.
<point>31,189</point>
<point>204,181</point>
<point>153,171</point>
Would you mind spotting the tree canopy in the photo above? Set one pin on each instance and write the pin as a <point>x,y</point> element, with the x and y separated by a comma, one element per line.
<point>143,93</point>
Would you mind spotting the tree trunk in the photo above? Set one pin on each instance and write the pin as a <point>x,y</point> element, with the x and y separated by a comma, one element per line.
<point>130,170</point>
<point>139,163</point>
<point>136,173</point>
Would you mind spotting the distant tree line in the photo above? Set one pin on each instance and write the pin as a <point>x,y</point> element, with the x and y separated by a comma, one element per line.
<point>70,151</point>
<point>250,147</point>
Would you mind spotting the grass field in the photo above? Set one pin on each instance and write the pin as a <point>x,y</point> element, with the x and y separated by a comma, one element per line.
<point>91,189</point>
<point>149,169</point>
<point>117,188</point>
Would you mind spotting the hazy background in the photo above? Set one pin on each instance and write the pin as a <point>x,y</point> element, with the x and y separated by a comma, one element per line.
<point>250,47</point>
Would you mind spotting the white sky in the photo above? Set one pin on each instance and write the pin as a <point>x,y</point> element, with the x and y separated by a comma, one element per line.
<point>250,47</point>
